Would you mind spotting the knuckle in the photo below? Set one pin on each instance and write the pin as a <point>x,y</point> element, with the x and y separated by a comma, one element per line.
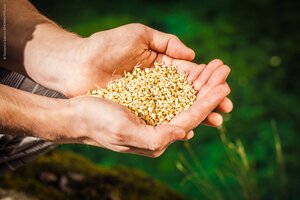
<point>138,27</point>
<point>140,30</point>
<point>173,37</point>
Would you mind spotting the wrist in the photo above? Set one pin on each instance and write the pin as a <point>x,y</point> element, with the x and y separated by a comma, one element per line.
<point>52,120</point>
<point>61,121</point>
<point>51,55</point>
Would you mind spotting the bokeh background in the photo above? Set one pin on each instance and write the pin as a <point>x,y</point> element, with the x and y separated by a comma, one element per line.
<point>258,156</point>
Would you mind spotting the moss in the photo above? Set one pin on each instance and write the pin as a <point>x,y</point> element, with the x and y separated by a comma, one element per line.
<point>65,175</point>
<point>14,195</point>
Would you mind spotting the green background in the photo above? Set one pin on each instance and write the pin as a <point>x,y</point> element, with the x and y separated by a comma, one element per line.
<point>260,41</point>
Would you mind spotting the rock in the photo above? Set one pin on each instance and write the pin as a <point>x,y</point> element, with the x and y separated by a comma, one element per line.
<point>63,184</point>
<point>65,175</point>
<point>13,195</point>
<point>48,177</point>
<point>76,176</point>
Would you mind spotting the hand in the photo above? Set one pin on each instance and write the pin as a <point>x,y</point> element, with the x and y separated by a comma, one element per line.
<point>114,127</point>
<point>103,123</point>
<point>129,134</point>
<point>107,54</point>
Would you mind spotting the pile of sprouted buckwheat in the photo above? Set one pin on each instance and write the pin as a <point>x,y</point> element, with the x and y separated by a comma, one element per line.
<point>155,94</point>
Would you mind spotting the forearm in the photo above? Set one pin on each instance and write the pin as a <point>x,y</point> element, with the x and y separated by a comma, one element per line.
<point>19,19</point>
<point>33,43</point>
<point>25,113</point>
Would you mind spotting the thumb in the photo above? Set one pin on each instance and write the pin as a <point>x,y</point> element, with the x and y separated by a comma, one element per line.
<point>168,44</point>
<point>170,134</point>
<point>192,117</point>
<point>154,137</point>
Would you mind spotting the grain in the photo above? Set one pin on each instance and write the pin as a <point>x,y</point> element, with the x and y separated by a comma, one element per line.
<point>155,94</point>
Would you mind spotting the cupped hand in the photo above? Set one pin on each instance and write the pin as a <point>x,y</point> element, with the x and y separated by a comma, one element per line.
<point>107,54</point>
<point>103,123</point>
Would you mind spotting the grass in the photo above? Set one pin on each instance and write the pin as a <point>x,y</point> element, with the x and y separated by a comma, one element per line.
<point>280,161</point>
<point>239,179</point>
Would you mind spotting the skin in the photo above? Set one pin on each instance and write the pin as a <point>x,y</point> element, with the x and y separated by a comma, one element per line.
<point>70,64</point>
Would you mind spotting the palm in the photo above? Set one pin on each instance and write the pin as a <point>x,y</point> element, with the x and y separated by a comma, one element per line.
<point>108,54</point>
<point>124,57</point>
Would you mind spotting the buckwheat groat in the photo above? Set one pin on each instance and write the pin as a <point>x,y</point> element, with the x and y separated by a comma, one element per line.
<point>153,94</point>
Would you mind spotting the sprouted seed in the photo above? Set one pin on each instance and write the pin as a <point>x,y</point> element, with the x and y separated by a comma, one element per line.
<point>155,94</point>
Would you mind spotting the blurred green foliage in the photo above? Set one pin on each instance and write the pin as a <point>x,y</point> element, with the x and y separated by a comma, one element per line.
<point>258,39</point>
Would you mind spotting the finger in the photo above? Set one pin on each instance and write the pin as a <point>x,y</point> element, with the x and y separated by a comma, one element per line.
<point>213,119</point>
<point>165,59</point>
<point>218,77</point>
<point>154,138</point>
<point>150,60</point>
<point>189,135</point>
<point>165,135</point>
<point>157,142</point>
<point>116,148</point>
<point>206,74</point>
<point>126,149</point>
<point>145,152</point>
<point>194,74</point>
<point>192,69</point>
<point>193,116</point>
<point>225,106</point>
<point>123,148</point>
<point>168,44</point>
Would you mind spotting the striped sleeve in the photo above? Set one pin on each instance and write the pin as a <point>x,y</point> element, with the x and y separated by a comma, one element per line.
<point>15,151</point>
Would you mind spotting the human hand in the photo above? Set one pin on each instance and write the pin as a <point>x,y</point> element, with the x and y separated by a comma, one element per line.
<point>114,127</point>
<point>107,54</point>
<point>103,123</point>
<point>70,64</point>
